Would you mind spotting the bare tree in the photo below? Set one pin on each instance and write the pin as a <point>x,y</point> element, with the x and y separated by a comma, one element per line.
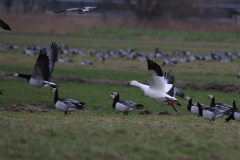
<point>28,5</point>
<point>7,4</point>
<point>151,9</point>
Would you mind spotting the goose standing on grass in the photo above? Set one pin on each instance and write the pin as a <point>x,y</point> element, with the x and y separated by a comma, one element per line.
<point>4,25</point>
<point>124,106</point>
<point>79,10</point>
<point>210,113</point>
<point>43,68</point>
<point>1,90</point>
<point>160,87</point>
<point>235,115</point>
<point>221,106</point>
<point>66,104</point>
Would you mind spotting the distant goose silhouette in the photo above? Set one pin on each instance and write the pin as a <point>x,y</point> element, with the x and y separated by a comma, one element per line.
<point>1,90</point>
<point>66,104</point>
<point>79,10</point>
<point>4,25</point>
<point>43,68</point>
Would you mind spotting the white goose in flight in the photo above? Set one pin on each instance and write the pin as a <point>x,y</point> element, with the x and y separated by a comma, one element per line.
<point>79,10</point>
<point>43,68</point>
<point>160,86</point>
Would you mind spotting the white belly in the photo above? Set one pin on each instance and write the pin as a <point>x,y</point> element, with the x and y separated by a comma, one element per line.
<point>120,107</point>
<point>237,116</point>
<point>62,106</point>
<point>194,109</point>
<point>208,115</point>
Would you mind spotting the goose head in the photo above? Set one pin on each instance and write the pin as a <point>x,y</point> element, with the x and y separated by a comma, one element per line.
<point>188,98</point>
<point>210,96</point>
<point>53,90</point>
<point>133,83</point>
<point>112,96</point>
<point>16,74</point>
<point>195,103</point>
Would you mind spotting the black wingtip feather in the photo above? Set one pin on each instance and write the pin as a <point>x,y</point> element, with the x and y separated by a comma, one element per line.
<point>154,66</point>
<point>169,77</point>
<point>171,91</point>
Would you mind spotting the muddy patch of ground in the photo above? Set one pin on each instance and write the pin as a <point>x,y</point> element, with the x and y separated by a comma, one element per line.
<point>228,88</point>
<point>23,108</point>
<point>170,114</point>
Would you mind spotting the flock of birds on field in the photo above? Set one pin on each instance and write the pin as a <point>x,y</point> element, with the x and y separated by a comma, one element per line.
<point>161,85</point>
<point>178,56</point>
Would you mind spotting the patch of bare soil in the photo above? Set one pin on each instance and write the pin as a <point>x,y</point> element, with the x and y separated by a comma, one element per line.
<point>170,114</point>
<point>22,108</point>
<point>145,112</point>
<point>228,88</point>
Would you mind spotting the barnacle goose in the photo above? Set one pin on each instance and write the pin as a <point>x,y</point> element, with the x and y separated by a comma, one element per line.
<point>43,68</point>
<point>221,106</point>
<point>210,113</point>
<point>160,86</point>
<point>235,115</point>
<point>124,106</point>
<point>66,104</point>
<point>192,108</point>
<point>1,90</point>
<point>79,10</point>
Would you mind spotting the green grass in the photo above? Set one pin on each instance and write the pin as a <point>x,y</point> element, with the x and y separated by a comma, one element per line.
<point>100,132</point>
<point>187,36</point>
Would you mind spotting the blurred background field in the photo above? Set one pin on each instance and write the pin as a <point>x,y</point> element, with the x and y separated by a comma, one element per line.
<point>99,132</point>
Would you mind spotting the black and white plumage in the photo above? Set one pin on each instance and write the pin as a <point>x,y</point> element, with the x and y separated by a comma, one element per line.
<point>1,90</point>
<point>43,68</point>
<point>4,25</point>
<point>191,108</point>
<point>235,115</point>
<point>160,86</point>
<point>124,106</point>
<point>210,113</point>
<point>66,104</point>
<point>79,10</point>
<point>221,106</point>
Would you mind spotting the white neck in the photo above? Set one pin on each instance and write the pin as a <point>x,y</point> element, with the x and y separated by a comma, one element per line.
<point>140,85</point>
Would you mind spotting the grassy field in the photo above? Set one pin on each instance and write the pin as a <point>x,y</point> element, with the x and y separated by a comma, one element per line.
<point>99,132</point>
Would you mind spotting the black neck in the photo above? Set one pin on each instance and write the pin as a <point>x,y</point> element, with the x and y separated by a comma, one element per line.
<point>200,109</point>
<point>27,76</point>
<point>56,97</point>
<point>234,107</point>
<point>213,102</point>
<point>115,100</point>
<point>230,117</point>
<point>189,105</point>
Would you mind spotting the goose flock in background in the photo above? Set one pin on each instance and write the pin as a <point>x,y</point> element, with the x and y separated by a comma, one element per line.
<point>161,86</point>
<point>178,56</point>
